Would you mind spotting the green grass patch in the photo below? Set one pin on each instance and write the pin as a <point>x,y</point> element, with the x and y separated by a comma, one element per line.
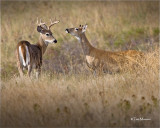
<point>156,31</point>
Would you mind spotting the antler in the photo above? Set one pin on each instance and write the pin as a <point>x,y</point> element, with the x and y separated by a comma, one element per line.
<point>42,24</point>
<point>52,23</point>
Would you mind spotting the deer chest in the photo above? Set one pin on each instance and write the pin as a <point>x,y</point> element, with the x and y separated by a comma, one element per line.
<point>92,62</point>
<point>89,59</point>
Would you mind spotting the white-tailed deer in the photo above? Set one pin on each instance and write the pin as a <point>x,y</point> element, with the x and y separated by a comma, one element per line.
<point>29,56</point>
<point>101,60</point>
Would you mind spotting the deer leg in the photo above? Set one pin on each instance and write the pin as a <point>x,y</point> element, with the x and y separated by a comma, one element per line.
<point>29,70</point>
<point>20,69</point>
<point>94,73</point>
<point>38,72</point>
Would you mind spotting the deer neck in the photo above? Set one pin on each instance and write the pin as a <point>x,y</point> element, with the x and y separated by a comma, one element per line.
<point>42,45</point>
<point>86,46</point>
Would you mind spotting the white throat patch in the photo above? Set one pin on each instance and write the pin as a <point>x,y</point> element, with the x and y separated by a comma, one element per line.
<point>48,41</point>
<point>78,39</point>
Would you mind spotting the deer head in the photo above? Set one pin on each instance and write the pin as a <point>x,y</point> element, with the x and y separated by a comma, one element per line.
<point>77,32</point>
<point>45,31</point>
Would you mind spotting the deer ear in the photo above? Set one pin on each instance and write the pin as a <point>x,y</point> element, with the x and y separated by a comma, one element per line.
<point>39,29</point>
<point>84,28</point>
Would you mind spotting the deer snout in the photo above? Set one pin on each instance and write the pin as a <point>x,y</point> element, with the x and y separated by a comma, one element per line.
<point>55,41</point>
<point>67,31</point>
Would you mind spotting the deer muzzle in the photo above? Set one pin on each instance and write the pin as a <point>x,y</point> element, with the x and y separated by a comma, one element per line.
<point>67,31</point>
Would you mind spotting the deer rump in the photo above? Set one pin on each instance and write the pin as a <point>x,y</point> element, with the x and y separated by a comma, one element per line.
<point>29,54</point>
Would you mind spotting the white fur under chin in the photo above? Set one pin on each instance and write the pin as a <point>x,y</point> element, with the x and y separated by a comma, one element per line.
<point>49,41</point>
<point>66,31</point>
<point>78,39</point>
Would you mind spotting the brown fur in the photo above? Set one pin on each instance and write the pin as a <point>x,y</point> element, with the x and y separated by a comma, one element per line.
<point>101,60</point>
<point>22,44</point>
<point>35,51</point>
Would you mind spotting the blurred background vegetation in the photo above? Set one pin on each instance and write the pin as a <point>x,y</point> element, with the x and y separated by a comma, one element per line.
<point>112,26</point>
<point>66,94</point>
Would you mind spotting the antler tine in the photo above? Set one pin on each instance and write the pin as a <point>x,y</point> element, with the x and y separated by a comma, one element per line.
<point>40,22</point>
<point>52,23</point>
<point>37,20</point>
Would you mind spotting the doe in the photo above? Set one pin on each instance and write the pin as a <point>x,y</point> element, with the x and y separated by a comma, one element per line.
<point>100,60</point>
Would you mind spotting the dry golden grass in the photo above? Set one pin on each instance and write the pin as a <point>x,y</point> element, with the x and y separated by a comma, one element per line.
<point>67,94</point>
<point>83,100</point>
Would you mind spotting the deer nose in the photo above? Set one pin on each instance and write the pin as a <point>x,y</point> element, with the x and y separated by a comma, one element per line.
<point>67,30</point>
<point>55,41</point>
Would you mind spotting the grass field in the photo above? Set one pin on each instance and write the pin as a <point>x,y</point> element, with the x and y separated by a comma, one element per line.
<point>68,94</point>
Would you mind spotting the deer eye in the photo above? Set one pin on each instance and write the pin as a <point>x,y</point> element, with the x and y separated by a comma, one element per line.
<point>47,34</point>
<point>76,29</point>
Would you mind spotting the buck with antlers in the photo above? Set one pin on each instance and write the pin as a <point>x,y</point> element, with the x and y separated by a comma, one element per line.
<point>29,56</point>
<point>100,60</point>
